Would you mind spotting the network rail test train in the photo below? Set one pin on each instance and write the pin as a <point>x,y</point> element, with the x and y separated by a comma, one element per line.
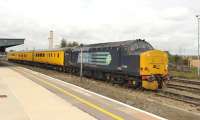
<point>134,62</point>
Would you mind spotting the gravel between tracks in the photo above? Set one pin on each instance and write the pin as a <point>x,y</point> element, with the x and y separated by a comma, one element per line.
<point>145,100</point>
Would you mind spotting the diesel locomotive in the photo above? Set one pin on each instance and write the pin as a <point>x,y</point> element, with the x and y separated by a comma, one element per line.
<point>134,62</point>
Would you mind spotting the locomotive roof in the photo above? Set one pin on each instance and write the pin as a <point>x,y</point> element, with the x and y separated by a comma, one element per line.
<point>120,43</point>
<point>138,43</point>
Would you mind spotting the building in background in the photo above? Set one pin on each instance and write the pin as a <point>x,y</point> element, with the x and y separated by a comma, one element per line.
<point>50,39</point>
<point>9,42</point>
<point>194,63</point>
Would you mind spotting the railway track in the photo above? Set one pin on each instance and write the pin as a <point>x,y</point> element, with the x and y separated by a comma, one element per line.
<point>192,86</point>
<point>182,90</point>
<point>180,97</point>
<point>194,82</point>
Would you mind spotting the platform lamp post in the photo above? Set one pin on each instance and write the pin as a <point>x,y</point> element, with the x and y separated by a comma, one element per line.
<point>198,69</point>
<point>81,62</point>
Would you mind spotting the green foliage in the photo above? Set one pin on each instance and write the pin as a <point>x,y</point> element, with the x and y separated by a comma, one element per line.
<point>64,43</point>
<point>178,60</point>
<point>185,61</point>
<point>73,44</point>
<point>188,75</point>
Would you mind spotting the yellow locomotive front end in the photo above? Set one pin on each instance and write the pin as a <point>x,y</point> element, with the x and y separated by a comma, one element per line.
<point>153,69</point>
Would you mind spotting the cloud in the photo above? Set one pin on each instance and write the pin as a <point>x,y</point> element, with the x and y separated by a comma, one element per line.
<point>167,25</point>
<point>176,13</point>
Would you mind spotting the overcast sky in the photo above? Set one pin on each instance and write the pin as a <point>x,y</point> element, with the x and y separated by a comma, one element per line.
<point>166,24</point>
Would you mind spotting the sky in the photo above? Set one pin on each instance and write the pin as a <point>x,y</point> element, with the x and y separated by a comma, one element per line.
<point>166,24</point>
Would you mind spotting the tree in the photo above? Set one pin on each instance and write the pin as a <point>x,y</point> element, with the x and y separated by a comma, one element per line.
<point>63,43</point>
<point>177,59</point>
<point>75,44</point>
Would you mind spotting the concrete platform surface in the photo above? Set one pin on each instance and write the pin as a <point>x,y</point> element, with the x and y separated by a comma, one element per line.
<point>26,100</point>
<point>42,97</point>
<point>10,107</point>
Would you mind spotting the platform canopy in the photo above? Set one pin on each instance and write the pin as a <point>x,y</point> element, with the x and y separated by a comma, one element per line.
<point>9,42</point>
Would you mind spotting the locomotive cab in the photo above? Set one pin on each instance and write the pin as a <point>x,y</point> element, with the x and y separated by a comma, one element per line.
<point>153,69</point>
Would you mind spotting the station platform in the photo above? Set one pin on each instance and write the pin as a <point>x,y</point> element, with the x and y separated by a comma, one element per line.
<point>34,96</point>
<point>23,99</point>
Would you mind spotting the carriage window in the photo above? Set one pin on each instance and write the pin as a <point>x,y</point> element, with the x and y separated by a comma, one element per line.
<point>58,55</point>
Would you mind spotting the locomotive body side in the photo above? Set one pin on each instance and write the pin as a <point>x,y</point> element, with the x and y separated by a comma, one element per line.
<point>136,63</point>
<point>112,59</point>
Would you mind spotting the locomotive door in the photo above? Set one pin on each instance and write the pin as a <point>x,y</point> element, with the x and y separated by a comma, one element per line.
<point>119,56</point>
<point>67,58</point>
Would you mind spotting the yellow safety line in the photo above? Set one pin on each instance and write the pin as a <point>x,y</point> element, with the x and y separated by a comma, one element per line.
<point>115,117</point>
